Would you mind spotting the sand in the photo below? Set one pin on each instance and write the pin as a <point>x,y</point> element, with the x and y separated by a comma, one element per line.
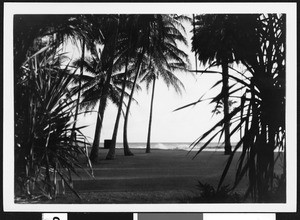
<point>162,176</point>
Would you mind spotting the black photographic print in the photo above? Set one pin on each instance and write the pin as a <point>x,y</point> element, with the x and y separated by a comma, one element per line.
<point>150,107</point>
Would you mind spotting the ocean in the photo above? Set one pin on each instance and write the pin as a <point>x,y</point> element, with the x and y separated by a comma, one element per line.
<point>213,147</point>
<point>173,146</point>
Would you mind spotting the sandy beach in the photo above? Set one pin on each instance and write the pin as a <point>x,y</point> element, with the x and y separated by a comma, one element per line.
<point>162,176</point>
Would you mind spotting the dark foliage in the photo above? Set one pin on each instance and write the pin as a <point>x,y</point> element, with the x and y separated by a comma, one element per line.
<point>259,45</point>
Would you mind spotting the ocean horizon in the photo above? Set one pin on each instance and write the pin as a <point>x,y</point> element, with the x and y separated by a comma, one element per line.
<point>214,146</point>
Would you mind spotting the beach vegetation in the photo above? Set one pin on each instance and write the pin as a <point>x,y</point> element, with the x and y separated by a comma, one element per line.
<point>118,53</point>
<point>209,194</point>
<point>258,45</point>
<point>213,42</point>
<point>220,105</point>
<point>45,152</point>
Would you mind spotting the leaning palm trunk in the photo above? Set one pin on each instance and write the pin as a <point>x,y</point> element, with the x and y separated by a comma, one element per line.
<point>112,148</point>
<point>127,151</point>
<point>78,98</point>
<point>103,99</point>
<point>96,142</point>
<point>150,118</point>
<point>225,77</point>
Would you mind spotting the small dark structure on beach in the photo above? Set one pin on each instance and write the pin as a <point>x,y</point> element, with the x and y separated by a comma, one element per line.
<point>107,143</point>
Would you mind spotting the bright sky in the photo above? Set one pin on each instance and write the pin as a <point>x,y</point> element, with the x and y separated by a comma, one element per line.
<point>167,126</point>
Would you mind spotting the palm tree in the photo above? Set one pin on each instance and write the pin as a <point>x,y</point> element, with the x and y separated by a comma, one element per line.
<point>124,49</point>
<point>28,29</point>
<point>127,151</point>
<point>89,36</point>
<point>111,152</point>
<point>78,97</point>
<point>93,83</point>
<point>156,38</point>
<point>110,33</point>
<point>213,41</point>
<point>164,58</point>
<point>56,30</point>
<point>150,117</point>
<point>155,69</point>
<point>140,35</point>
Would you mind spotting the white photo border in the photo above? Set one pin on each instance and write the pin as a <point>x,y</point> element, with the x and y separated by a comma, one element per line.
<point>10,9</point>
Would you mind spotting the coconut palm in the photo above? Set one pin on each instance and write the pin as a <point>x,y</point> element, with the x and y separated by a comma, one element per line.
<point>112,59</point>
<point>56,30</point>
<point>29,29</point>
<point>161,68</point>
<point>164,59</point>
<point>78,96</point>
<point>93,83</point>
<point>140,38</point>
<point>155,34</point>
<point>110,32</point>
<point>124,50</point>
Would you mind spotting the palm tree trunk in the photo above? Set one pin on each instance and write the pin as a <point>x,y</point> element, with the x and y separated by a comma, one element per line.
<point>78,98</point>
<point>103,99</point>
<point>125,141</point>
<point>225,89</point>
<point>96,142</point>
<point>112,148</point>
<point>150,118</point>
